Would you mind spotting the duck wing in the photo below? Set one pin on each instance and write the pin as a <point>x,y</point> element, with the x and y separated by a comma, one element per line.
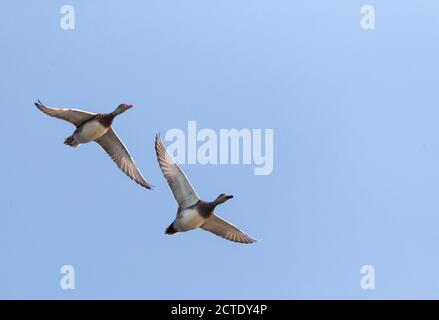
<point>180,186</point>
<point>115,148</point>
<point>226,230</point>
<point>74,116</point>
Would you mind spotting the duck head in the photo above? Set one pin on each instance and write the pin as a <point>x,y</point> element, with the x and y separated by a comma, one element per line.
<point>223,197</point>
<point>121,109</point>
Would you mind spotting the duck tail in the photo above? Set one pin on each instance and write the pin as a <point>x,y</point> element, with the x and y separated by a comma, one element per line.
<point>171,230</point>
<point>70,141</point>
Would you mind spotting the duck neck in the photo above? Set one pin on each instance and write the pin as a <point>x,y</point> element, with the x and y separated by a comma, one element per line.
<point>115,113</point>
<point>214,204</point>
<point>106,119</point>
<point>206,209</point>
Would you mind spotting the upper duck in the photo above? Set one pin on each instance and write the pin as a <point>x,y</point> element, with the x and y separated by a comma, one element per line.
<point>97,127</point>
<point>192,211</point>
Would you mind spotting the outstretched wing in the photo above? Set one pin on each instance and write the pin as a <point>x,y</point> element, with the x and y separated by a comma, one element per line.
<point>111,143</point>
<point>226,230</point>
<point>182,189</point>
<point>74,116</point>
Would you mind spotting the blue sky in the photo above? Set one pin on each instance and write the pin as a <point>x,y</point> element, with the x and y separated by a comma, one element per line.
<point>355,118</point>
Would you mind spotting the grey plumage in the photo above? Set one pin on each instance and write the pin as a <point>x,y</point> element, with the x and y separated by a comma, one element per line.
<point>193,212</point>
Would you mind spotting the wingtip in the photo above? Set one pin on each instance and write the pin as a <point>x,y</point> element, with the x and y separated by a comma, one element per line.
<point>149,187</point>
<point>145,184</point>
<point>39,105</point>
<point>252,240</point>
<point>158,142</point>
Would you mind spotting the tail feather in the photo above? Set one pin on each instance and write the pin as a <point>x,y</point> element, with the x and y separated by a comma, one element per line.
<point>70,141</point>
<point>171,230</point>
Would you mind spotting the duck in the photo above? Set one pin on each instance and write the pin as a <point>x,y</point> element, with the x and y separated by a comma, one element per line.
<point>192,212</point>
<point>98,127</point>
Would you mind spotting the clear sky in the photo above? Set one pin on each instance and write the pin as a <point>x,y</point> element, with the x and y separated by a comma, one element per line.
<point>355,116</point>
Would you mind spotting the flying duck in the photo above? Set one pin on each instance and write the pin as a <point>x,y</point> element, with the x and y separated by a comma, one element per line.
<point>193,212</point>
<point>97,127</point>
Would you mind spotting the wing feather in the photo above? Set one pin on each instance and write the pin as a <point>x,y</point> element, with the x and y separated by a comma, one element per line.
<point>226,230</point>
<point>180,186</point>
<point>74,116</point>
<point>115,148</point>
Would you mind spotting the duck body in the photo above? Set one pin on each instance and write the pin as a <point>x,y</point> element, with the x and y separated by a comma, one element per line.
<point>91,130</point>
<point>187,219</point>
<point>191,218</point>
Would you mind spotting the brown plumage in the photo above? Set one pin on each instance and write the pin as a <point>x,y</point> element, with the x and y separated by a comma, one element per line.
<point>105,119</point>
<point>98,127</point>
